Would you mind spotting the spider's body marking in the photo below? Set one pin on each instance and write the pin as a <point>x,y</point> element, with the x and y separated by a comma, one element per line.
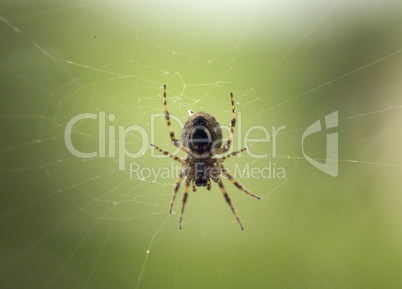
<point>201,133</point>
<point>202,139</point>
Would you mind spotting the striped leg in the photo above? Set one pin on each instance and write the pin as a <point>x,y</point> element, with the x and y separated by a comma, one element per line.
<point>209,184</point>
<point>226,147</point>
<point>236,183</point>
<point>175,141</point>
<point>185,195</point>
<point>227,199</point>
<point>176,188</point>
<point>231,155</point>
<point>166,153</point>
<point>232,125</point>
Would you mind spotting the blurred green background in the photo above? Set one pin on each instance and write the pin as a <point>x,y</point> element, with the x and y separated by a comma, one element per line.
<point>70,222</point>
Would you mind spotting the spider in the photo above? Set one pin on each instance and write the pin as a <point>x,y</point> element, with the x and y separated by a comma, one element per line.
<point>202,139</point>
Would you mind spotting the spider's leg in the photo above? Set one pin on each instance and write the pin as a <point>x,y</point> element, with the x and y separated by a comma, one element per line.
<point>194,188</point>
<point>232,125</point>
<point>231,155</point>
<point>185,195</point>
<point>236,183</point>
<point>227,199</point>
<point>176,188</point>
<point>166,153</point>
<point>226,147</point>
<point>167,116</point>
<point>209,184</point>
<point>175,141</point>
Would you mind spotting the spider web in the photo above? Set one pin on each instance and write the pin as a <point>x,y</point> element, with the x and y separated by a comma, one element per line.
<point>103,221</point>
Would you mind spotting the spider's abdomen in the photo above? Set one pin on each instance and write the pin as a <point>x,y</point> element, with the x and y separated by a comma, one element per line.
<point>201,133</point>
